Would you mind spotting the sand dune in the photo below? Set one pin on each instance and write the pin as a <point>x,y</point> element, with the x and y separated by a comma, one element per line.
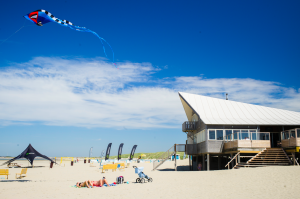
<point>42,182</point>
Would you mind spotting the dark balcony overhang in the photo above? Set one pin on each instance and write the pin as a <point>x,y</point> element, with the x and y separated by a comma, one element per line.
<point>189,126</point>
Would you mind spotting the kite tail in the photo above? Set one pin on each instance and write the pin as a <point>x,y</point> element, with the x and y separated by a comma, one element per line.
<point>83,29</point>
<point>101,39</point>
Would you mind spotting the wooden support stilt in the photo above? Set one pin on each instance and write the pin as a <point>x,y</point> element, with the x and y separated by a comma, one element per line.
<point>175,157</point>
<point>208,162</point>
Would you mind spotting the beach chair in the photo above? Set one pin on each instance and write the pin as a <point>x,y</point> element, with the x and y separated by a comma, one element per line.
<point>23,172</point>
<point>113,167</point>
<point>121,166</point>
<point>4,172</point>
<point>92,164</point>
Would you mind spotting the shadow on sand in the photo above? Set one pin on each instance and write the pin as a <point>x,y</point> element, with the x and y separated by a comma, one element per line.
<point>15,180</point>
<point>32,167</point>
<point>179,168</point>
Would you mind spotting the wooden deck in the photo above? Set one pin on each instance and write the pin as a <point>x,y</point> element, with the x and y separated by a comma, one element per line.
<point>290,138</point>
<point>292,142</point>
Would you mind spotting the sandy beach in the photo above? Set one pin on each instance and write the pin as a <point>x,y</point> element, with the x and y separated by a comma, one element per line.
<point>42,182</point>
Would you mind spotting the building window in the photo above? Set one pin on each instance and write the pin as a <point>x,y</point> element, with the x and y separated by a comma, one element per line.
<point>219,134</point>
<point>235,134</point>
<point>264,136</point>
<point>228,134</point>
<point>244,135</point>
<point>253,134</point>
<point>212,134</point>
<point>286,135</point>
<point>298,133</point>
<point>292,133</point>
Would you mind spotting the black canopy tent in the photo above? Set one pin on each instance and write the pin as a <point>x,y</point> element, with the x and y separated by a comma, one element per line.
<point>29,153</point>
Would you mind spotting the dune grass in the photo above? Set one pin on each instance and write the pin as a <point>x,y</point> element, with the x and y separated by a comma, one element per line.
<point>148,155</point>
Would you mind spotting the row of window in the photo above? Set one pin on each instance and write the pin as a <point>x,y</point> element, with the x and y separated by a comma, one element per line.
<point>241,134</point>
<point>290,134</point>
<point>236,134</point>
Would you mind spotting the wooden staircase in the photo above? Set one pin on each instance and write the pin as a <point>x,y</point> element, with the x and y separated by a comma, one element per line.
<point>267,157</point>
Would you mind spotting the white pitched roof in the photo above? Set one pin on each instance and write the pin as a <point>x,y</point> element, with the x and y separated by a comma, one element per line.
<point>225,112</point>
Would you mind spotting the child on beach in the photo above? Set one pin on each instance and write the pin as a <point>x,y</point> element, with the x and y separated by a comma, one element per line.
<point>89,183</point>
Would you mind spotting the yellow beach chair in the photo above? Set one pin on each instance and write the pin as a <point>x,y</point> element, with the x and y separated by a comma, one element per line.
<point>113,167</point>
<point>122,166</point>
<point>23,172</point>
<point>4,172</point>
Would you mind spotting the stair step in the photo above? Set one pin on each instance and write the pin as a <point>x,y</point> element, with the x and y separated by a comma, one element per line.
<point>272,156</point>
<point>274,149</point>
<point>269,163</point>
<point>263,163</point>
<point>278,157</point>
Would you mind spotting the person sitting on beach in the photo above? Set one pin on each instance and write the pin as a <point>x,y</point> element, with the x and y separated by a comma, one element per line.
<point>90,183</point>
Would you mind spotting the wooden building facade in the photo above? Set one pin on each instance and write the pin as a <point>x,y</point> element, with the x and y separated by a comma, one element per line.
<point>219,131</point>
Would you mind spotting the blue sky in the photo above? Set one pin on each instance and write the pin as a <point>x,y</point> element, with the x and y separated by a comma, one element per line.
<point>59,92</point>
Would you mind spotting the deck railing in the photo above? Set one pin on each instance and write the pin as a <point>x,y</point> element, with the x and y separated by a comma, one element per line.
<point>235,157</point>
<point>165,156</point>
<point>290,138</point>
<point>189,126</point>
<point>247,140</point>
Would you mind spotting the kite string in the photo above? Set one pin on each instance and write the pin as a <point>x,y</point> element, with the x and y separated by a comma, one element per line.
<point>14,33</point>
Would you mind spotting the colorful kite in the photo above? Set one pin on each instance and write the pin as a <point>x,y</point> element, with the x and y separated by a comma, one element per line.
<point>41,17</point>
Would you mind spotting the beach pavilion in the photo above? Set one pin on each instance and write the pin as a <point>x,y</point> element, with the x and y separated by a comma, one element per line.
<point>228,134</point>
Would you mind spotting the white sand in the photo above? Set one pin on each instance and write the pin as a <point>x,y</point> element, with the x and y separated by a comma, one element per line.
<point>42,182</point>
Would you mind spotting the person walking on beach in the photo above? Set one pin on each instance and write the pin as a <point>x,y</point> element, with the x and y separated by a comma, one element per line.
<point>90,183</point>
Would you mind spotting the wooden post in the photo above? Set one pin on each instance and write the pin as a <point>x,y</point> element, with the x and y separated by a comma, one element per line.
<point>203,162</point>
<point>294,158</point>
<point>208,162</point>
<point>175,157</point>
<point>190,162</point>
<point>239,158</point>
<point>231,156</point>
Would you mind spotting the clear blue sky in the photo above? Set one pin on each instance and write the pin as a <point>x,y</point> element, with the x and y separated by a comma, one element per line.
<point>249,49</point>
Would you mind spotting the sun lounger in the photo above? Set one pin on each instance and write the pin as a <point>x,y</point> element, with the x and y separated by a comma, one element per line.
<point>23,172</point>
<point>4,172</point>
